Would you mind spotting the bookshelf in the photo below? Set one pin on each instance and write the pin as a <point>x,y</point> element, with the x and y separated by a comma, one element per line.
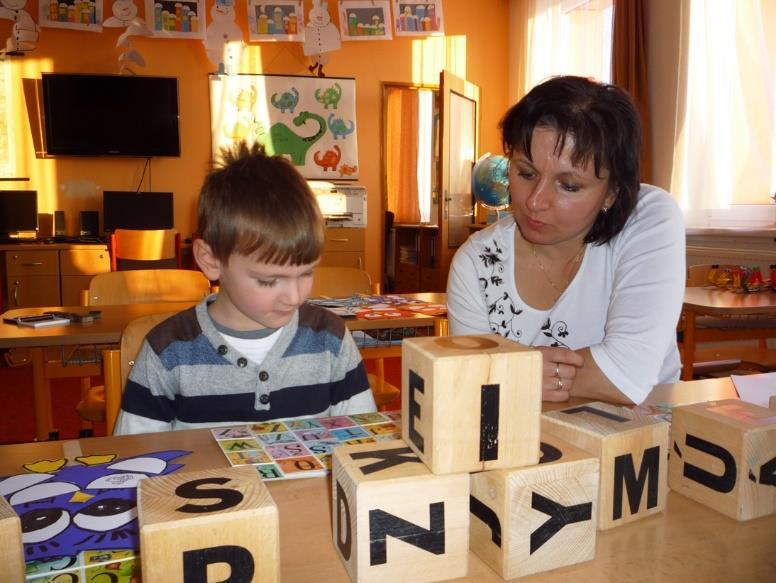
<point>415,255</point>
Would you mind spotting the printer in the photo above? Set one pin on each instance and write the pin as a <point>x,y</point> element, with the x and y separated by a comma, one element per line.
<point>342,205</point>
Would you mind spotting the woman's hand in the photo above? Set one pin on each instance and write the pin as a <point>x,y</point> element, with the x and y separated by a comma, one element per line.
<point>559,367</point>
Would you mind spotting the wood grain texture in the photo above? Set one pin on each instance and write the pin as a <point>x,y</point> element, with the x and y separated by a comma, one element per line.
<point>11,552</point>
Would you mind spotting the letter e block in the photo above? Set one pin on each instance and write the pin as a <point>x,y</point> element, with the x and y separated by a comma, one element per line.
<point>724,456</point>
<point>212,525</point>
<point>632,450</point>
<point>471,403</point>
<point>536,518</point>
<point>393,520</point>
<point>11,551</point>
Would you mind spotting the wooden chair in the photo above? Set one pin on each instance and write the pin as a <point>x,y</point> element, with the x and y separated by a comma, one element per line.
<point>134,249</point>
<point>346,281</point>
<point>134,287</point>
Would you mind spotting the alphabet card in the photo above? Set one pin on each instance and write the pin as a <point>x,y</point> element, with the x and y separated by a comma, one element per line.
<point>724,456</point>
<point>632,450</point>
<point>393,520</point>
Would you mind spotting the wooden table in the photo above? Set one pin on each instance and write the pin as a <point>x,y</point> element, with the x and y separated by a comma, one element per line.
<point>706,301</point>
<point>686,542</point>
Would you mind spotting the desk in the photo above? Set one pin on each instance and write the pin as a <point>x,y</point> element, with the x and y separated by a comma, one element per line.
<point>686,542</point>
<point>705,301</point>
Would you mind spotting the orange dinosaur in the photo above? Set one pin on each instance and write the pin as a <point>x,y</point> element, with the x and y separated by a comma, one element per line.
<point>329,160</point>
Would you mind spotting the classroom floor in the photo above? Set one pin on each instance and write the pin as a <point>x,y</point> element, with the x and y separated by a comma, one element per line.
<point>17,413</point>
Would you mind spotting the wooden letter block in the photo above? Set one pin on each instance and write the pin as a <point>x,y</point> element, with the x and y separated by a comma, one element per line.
<point>393,520</point>
<point>772,402</point>
<point>724,456</point>
<point>536,518</point>
<point>632,449</point>
<point>471,403</point>
<point>213,525</point>
<point>11,550</point>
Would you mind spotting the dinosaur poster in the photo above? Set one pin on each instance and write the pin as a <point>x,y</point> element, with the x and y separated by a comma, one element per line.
<point>310,120</point>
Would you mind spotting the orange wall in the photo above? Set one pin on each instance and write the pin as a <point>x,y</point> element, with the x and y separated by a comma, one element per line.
<point>476,39</point>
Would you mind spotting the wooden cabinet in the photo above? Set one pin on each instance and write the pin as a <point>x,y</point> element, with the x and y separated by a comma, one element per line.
<point>344,247</point>
<point>415,262</point>
<point>36,274</point>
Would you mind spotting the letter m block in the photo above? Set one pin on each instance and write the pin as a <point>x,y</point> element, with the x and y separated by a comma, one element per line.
<point>212,525</point>
<point>393,520</point>
<point>724,456</point>
<point>632,450</point>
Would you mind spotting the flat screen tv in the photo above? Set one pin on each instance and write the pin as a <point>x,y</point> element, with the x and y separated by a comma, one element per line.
<point>110,115</point>
<point>18,211</point>
<point>123,209</point>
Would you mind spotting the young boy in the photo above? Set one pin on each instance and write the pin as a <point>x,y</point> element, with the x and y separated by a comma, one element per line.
<point>255,351</point>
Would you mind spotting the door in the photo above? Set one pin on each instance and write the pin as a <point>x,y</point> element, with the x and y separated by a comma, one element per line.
<point>459,146</point>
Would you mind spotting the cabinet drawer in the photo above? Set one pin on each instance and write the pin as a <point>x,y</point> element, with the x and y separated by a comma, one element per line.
<point>343,259</point>
<point>341,239</point>
<point>32,263</point>
<point>33,290</point>
<point>84,261</point>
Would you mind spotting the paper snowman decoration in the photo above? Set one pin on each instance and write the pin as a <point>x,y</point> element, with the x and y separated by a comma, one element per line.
<point>224,39</point>
<point>125,15</point>
<point>320,36</point>
<point>24,32</point>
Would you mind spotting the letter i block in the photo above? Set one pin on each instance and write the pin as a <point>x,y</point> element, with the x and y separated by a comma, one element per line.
<point>633,453</point>
<point>532,519</point>
<point>393,520</point>
<point>213,525</point>
<point>472,402</point>
<point>724,456</point>
<point>11,550</point>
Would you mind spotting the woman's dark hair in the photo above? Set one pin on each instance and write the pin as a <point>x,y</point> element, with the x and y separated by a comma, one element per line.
<point>605,127</point>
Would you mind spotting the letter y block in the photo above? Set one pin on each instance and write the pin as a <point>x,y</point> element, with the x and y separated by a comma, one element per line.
<point>211,525</point>
<point>632,450</point>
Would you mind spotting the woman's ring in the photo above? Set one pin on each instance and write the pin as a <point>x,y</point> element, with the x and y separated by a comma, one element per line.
<point>557,370</point>
<point>560,384</point>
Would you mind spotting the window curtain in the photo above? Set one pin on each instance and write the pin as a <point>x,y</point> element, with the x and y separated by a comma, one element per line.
<point>402,154</point>
<point>629,68</point>
<point>725,130</point>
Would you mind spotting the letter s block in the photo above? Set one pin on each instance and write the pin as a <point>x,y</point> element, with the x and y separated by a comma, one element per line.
<point>393,520</point>
<point>632,450</point>
<point>724,456</point>
<point>536,518</point>
<point>212,525</point>
<point>471,403</point>
<point>11,549</point>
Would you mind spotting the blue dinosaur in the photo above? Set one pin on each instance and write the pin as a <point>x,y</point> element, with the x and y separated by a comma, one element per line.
<point>339,128</point>
<point>286,101</point>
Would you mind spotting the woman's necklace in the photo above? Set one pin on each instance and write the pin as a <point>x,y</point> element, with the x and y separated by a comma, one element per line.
<point>570,264</point>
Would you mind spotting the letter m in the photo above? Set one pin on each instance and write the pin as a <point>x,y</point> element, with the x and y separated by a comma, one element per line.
<point>625,473</point>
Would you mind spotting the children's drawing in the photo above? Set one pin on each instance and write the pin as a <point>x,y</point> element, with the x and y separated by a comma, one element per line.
<point>125,16</point>
<point>320,37</point>
<point>24,32</point>
<point>418,18</point>
<point>365,19</point>
<point>76,14</point>
<point>224,41</point>
<point>309,120</point>
<point>176,18</point>
<point>280,20</point>
<point>70,513</point>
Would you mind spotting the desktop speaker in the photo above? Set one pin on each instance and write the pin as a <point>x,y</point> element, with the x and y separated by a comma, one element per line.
<point>89,223</point>
<point>59,224</point>
<point>45,225</point>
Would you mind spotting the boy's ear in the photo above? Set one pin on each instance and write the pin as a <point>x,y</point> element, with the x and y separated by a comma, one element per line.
<point>207,261</point>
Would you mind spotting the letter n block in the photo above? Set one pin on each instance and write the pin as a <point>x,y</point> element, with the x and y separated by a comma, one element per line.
<point>536,518</point>
<point>471,403</point>
<point>724,456</point>
<point>393,520</point>
<point>11,550</point>
<point>632,450</point>
<point>213,525</point>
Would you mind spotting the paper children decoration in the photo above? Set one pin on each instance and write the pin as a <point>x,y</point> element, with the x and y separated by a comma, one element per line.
<point>224,39</point>
<point>24,32</point>
<point>276,20</point>
<point>125,15</point>
<point>176,18</point>
<point>72,14</point>
<point>320,36</point>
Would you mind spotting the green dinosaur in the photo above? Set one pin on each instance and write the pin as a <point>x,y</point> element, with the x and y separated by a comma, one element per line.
<point>282,140</point>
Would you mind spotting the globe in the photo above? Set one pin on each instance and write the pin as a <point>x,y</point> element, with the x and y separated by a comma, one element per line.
<point>490,182</point>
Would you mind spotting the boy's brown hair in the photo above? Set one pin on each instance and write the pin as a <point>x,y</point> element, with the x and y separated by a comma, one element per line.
<point>255,203</point>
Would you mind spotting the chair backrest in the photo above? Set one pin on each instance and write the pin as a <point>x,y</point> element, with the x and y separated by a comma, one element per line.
<point>340,282</point>
<point>129,245</point>
<point>132,338</point>
<point>147,286</point>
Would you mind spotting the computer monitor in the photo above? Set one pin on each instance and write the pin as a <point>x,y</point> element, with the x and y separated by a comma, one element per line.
<point>18,211</point>
<point>136,210</point>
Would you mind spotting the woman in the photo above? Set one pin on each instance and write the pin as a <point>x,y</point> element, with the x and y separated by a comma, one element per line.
<point>590,266</point>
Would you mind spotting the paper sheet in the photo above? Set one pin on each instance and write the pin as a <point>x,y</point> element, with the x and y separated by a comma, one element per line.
<point>755,388</point>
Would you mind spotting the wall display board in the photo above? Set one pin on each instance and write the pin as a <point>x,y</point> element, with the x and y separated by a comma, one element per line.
<point>310,120</point>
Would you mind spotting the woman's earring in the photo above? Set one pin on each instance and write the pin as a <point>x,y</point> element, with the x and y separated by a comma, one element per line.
<point>604,209</point>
